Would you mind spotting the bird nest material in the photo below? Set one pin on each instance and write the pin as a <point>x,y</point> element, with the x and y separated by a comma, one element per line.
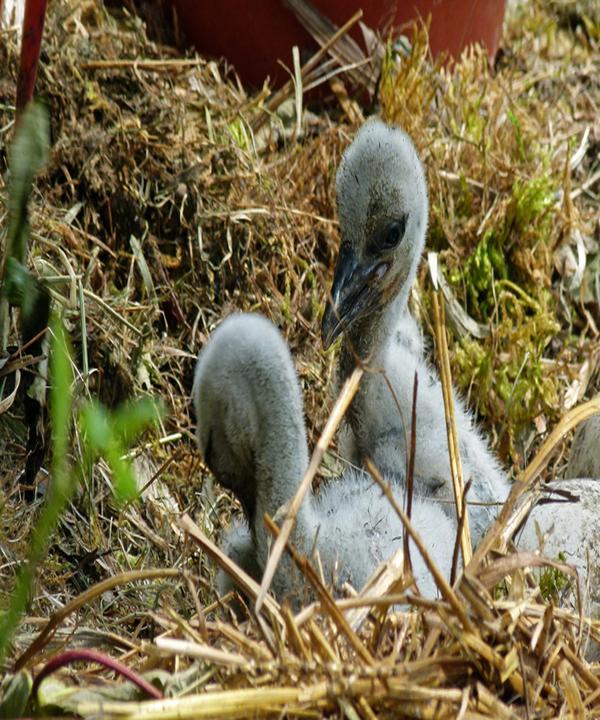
<point>170,200</point>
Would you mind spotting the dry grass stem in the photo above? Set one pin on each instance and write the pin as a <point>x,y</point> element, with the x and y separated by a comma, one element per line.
<point>83,599</point>
<point>325,597</point>
<point>288,89</point>
<point>242,579</point>
<point>453,448</point>
<point>446,591</point>
<point>343,401</point>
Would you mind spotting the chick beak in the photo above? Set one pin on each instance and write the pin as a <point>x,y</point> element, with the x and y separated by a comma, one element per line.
<point>356,289</point>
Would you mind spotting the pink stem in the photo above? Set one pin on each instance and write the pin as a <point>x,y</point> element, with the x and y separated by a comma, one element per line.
<point>70,656</point>
<point>31,42</point>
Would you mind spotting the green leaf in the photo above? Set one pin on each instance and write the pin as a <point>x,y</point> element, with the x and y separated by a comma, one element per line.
<point>28,155</point>
<point>110,434</point>
<point>96,424</point>
<point>124,482</point>
<point>16,281</point>
<point>57,698</point>
<point>134,417</point>
<point>24,290</point>
<point>14,694</point>
<point>61,391</point>
<point>61,486</point>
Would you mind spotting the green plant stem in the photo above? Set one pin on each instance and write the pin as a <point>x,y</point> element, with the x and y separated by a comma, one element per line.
<point>61,487</point>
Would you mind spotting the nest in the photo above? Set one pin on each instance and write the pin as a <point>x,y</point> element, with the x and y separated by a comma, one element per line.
<point>172,199</point>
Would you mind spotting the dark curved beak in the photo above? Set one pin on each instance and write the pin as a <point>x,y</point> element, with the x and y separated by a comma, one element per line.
<point>355,290</point>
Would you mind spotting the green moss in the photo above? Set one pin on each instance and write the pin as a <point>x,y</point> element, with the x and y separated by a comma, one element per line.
<point>510,383</point>
<point>239,134</point>
<point>436,239</point>
<point>475,121</point>
<point>475,364</point>
<point>464,204</point>
<point>553,581</point>
<point>485,264</point>
<point>530,201</point>
<point>518,134</point>
<point>499,254</point>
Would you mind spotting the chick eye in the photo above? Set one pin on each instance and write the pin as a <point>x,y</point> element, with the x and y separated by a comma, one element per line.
<point>394,233</point>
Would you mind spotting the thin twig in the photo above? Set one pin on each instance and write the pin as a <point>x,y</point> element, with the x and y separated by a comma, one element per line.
<point>85,598</point>
<point>447,592</point>
<point>275,101</point>
<point>143,64</point>
<point>324,595</point>
<point>518,504</point>
<point>92,296</point>
<point>453,447</point>
<point>410,478</point>
<point>242,579</point>
<point>344,399</point>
